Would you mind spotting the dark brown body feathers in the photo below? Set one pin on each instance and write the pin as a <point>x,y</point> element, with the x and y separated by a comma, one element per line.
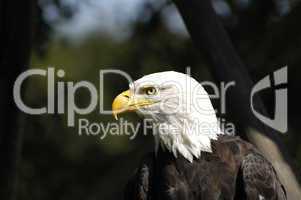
<point>234,170</point>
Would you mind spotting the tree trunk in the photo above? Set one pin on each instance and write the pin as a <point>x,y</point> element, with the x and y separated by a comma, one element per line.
<point>210,37</point>
<point>15,29</point>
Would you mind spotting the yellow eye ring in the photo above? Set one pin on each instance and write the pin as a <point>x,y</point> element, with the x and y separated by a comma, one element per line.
<point>151,91</point>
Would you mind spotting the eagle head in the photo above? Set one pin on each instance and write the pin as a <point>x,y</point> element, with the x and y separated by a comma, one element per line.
<point>183,118</point>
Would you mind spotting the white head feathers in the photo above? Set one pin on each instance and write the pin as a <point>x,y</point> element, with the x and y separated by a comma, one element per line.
<point>183,117</point>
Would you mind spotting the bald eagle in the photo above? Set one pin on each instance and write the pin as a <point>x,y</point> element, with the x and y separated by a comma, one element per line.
<point>192,162</point>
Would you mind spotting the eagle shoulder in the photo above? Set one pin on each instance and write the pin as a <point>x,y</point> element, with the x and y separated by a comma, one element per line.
<point>140,184</point>
<point>260,178</point>
<point>256,177</point>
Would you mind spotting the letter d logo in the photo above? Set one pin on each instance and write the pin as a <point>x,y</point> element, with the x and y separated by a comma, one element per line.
<point>279,122</point>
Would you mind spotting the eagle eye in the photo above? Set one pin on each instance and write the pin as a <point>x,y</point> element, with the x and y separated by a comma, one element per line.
<point>150,91</point>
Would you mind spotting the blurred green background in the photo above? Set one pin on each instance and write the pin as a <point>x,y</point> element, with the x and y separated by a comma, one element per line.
<point>139,37</point>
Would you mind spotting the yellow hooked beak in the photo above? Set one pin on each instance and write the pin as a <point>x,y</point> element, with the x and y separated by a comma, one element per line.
<point>126,102</point>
